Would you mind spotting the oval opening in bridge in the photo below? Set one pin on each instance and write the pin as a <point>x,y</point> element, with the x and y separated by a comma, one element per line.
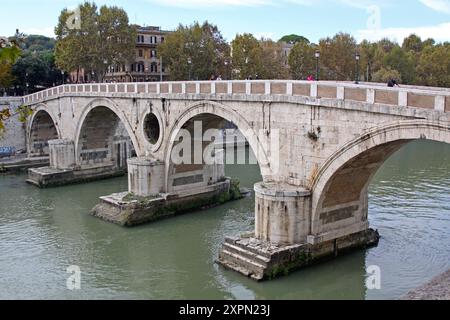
<point>152,128</point>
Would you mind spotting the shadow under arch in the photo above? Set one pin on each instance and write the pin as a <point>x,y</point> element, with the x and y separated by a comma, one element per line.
<point>42,127</point>
<point>227,113</point>
<point>111,112</point>
<point>345,176</point>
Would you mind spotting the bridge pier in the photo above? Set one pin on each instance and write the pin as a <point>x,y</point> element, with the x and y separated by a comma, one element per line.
<point>282,241</point>
<point>145,176</point>
<point>147,198</point>
<point>63,169</point>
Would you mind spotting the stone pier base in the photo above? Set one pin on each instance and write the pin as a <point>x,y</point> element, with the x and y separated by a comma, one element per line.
<point>128,209</point>
<point>49,177</point>
<point>262,260</point>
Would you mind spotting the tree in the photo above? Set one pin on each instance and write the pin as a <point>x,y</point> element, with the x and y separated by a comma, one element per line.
<point>104,38</point>
<point>403,62</point>
<point>9,53</point>
<point>434,66</point>
<point>368,53</point>
<point>36,67</point>
<point>412,43</point>
<point>34,71</point>
<point>247,56</point>
<point>337,56</point>
<point>386,74</point>
<point>294,38</point>
<point>202,45</point>
<point>273,65</point>
<point>302,61</point>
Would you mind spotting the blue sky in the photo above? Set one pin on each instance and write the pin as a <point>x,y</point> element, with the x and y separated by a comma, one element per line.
<point>314,19</point>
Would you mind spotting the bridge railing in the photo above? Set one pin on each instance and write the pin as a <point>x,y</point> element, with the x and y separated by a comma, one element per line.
<point>417,97</point>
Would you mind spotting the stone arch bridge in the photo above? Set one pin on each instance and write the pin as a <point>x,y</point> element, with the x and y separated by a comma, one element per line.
<point>318,145</point>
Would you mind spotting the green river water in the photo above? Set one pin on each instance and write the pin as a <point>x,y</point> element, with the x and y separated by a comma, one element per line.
<point>42,232</point>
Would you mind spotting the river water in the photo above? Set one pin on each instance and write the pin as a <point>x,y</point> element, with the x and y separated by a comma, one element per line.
<point>42,232</point>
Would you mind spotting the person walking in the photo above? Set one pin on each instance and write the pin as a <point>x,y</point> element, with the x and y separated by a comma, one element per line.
<point>392,83</point>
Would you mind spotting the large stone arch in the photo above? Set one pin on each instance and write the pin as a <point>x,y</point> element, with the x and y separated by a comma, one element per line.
<point>227,113</point>
<point>110,106</point>
<point>342,181</point>
<point>42,126</point>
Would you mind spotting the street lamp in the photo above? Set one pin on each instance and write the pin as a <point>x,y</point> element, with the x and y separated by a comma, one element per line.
<point>357,58</point>
<point>189,61</point>
<point>26,83</point>
<point>62,75</point>
<point>317,55</point>
<point>227,71</point>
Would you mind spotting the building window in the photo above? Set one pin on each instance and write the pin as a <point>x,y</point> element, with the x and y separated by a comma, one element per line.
<point>140,39</point>
<point>162,39</point>
<point>140,53</point>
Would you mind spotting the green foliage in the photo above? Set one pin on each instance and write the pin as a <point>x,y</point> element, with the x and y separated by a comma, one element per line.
<point>24,112</point>
<point>202,45</point>
<point>294,38</point>
<point>273,61</point>
<point>247,56</point>
<point>105,38</point>
<point>38,43</point>
<point>337,56</point>
<point>403,62</point>
<point>302,61</point>
<point>4,114</point>
<point>386,74</point>
<point>434,66</point>
<point>9,53</point>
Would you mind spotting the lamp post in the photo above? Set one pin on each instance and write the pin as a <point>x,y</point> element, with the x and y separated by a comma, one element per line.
<point>226,70</point>
<point>357,58</point>
<point>62,75</point>
<point>189,61</point>
<point>26,83</point>
<point>317,55</point>
<point>161,69</point>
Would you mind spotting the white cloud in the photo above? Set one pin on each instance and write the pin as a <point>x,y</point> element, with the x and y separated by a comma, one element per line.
<point>438,5</point>
<point>440,33</point>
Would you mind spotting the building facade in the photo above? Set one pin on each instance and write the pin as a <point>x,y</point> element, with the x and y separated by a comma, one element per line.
<point>148,65</point>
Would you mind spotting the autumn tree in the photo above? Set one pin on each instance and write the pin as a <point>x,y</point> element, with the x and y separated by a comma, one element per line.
<point>273,61</point>
<point>9,53</point>
<point>247,56</point>
<point>199,50</point>
<point>302,61</point>
<point>403,62</point>
<point>337,56</point>
<point>385,74</point>
<point>103,38</point>
<point>434,66</point>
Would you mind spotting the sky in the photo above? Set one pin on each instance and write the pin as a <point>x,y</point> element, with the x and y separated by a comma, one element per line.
<point>314,19</point>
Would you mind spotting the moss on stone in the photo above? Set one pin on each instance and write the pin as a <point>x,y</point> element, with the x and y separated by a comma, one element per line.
<point>284,269</point>
<point>130,197</point>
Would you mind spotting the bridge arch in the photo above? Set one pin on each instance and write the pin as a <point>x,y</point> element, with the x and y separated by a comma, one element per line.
<point>42,127</point>
<point>100,121</point>
<point>341,184</point>
<point>227,113</point>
